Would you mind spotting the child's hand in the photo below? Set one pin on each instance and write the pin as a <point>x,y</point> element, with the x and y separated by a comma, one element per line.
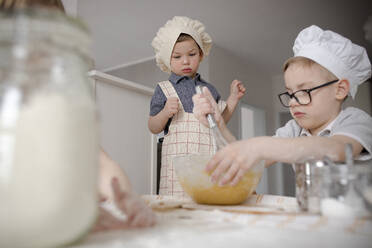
<point>205,104</point>
<point>235,159</point>
<point>138,214</point>
<point>171,107</point>
<point>237,90</point>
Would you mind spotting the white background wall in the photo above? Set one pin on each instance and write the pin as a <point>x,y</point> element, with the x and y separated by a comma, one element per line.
<point>123,108</point>
<point>261,32</point>
<point>71,7</point>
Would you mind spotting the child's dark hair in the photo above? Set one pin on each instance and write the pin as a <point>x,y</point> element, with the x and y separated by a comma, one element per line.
<point>184,37</point>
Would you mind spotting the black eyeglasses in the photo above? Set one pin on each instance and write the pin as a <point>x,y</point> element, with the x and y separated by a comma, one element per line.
<point>303,97</point>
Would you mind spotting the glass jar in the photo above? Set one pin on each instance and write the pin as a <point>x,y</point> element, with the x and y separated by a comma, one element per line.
<point>345,190</point>
<point>334,189</point>
<point>308,184</point>
<point>48,130</point>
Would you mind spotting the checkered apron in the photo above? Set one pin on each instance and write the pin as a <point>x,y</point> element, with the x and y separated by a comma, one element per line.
<point>185,135</point>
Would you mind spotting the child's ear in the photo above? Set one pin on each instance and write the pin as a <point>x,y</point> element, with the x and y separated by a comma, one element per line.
<point>343,87</point>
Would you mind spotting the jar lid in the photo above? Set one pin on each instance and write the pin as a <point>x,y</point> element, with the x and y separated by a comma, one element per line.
<point>27,25</point>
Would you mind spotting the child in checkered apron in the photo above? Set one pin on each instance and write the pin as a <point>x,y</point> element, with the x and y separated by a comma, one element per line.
<point>325,69</point>
<point>180,45</point>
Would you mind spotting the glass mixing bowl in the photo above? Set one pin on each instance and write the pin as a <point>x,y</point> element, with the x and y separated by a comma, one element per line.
<point>196,182</point>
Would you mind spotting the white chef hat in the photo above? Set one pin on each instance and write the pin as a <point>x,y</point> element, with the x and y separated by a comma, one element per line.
<point>167,36</point>
<point>336,53</point>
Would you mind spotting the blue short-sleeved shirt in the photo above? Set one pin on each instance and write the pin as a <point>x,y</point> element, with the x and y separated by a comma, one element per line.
<point>185,88</point>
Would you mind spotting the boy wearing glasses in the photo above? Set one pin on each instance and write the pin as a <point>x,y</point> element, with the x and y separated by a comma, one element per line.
<point>326,67</point>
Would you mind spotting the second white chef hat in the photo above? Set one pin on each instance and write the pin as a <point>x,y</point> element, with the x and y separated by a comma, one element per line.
<point>336,53</point>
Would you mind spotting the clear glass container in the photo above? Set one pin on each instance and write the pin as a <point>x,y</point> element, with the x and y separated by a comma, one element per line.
<point>344,191</point>
<point>334,189</point>
<point>48,130</point>
<point>308,184</point>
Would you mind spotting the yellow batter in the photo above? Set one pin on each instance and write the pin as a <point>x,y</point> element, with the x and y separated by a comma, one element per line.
<point>226,195</point>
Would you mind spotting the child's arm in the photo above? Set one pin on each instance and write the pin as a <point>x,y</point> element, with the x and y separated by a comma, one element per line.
<point>237,91</point>
<point>238,157</point>
<point>109,169</point>
<point>157,122</point>
<point>127,210</point>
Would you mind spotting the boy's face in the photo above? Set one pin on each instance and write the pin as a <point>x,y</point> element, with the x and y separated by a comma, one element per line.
<point>324,105</point>
<point>185,58</point>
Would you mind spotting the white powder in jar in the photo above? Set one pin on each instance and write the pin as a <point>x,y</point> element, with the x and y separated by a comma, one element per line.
<point>49,172</point>
<point>335,209</point>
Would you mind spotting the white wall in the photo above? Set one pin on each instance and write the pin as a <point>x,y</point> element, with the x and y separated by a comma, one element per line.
<point>362,99</point>
<point>224,67</point>
<point>71,7</point>
<point>260,31</point>
<point>148,73</point>
<point>253,123</point>
<point>122,107</point>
